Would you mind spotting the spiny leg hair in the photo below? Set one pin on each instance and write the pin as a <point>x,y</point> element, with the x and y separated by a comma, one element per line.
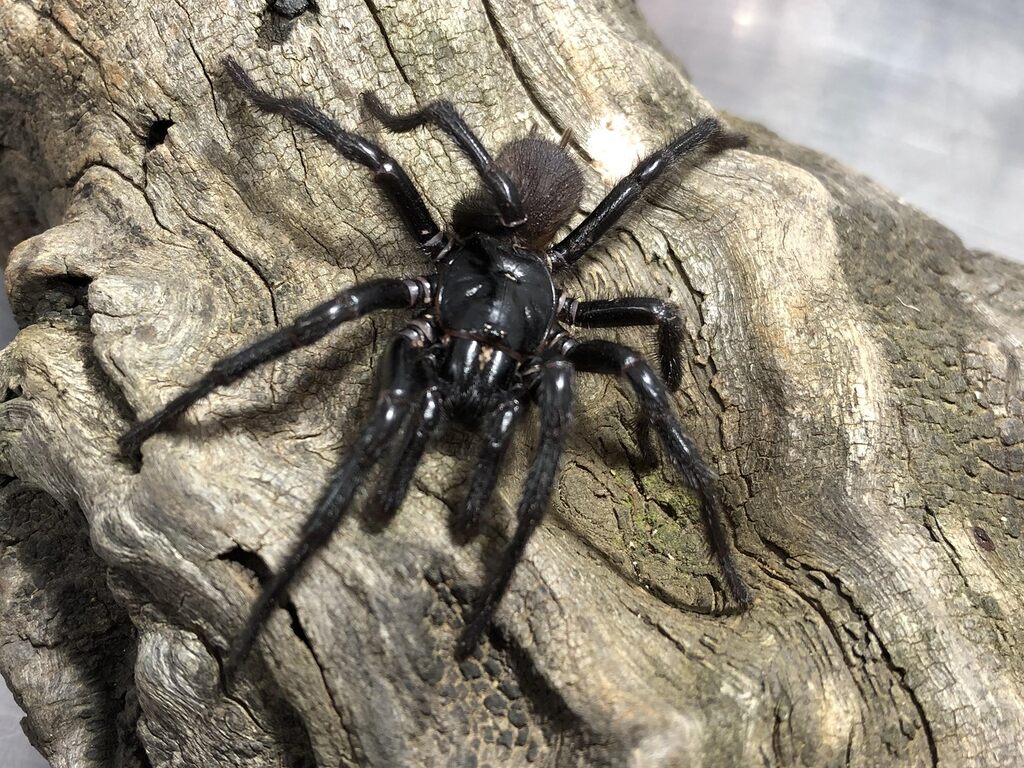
<point>707,134</point>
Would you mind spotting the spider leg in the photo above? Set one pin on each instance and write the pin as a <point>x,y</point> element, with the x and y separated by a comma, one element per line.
<point>394,485</point>
<point>386,170</point>
<point>354,302</point>
<point>448,119</point>
<point>606,357</point>
<point>498,433</point>
<point>554,392</point>
<point>708,133</point>
<point>629,311</point>
<point>397,394</point>
<point>645,441</point>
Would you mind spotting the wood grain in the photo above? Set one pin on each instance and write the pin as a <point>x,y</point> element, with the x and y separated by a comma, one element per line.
<point>853,373</point>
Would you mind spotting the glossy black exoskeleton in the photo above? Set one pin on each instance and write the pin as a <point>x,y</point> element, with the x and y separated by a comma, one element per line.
<point>488,339</point>
<point>497,305</point>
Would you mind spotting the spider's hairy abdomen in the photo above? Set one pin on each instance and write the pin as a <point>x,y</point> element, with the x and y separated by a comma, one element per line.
<point>550,185</point>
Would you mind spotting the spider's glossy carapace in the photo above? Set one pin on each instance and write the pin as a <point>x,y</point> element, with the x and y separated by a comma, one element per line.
<point>496,303</point>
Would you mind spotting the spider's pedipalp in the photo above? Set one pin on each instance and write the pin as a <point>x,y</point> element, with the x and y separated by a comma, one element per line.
<point>554,394</point>
<point>397,474</point>
<point>399,392</point>
<point>499,429</point>
<point>607,357</point>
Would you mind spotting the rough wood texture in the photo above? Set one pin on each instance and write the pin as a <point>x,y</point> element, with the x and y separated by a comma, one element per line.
<point>854,375</point>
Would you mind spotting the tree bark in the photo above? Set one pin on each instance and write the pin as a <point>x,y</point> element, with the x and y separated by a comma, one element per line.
<point>853,374</point>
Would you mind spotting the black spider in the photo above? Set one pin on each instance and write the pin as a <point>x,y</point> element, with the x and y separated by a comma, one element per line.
<point>487,339</point>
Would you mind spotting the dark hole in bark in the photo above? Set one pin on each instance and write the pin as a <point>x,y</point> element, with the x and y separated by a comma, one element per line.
<point>255,565</point>
<point>157,133</point>
<point>291,9</point>
<point>297,628</point>
<point>10,392</point>
<point>66,295</point>
<point>248,560</point>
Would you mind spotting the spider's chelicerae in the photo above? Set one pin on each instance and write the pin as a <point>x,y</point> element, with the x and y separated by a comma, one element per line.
<point>489,337</point>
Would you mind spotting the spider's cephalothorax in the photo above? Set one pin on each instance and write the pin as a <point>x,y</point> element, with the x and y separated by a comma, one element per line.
<point>496,304</point>
<point>488,338</point>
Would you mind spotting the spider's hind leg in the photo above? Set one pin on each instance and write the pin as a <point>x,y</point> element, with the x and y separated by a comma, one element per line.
<point>606,357</point>
<point>554,393</point>
<point>399,392</point>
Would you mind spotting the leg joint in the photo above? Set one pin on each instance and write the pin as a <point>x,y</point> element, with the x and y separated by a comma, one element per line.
<point>421,291</point>
<point>666,312</point>
<point>420,332</point>
<point>561,344</point>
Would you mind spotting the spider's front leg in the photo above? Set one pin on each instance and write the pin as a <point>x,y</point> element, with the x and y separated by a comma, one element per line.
<point>554,392</point>
<point>607,357</point>
<point>386,293</point>
<point>401,389</point>
<point>444,115</point>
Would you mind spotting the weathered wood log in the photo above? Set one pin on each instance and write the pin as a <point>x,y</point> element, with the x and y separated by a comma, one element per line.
<point>853,372</point>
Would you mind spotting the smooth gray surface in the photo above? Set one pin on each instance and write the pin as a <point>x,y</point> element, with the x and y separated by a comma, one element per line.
<point>7,331</point>
<point>927,96</point>
<point>15,751</point>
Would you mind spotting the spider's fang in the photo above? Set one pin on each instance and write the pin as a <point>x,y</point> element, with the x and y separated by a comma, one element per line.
<point>567,307</point>
<point>512,224</point>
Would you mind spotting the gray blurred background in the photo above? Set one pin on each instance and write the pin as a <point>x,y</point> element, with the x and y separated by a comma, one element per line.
<point>926,96</point>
